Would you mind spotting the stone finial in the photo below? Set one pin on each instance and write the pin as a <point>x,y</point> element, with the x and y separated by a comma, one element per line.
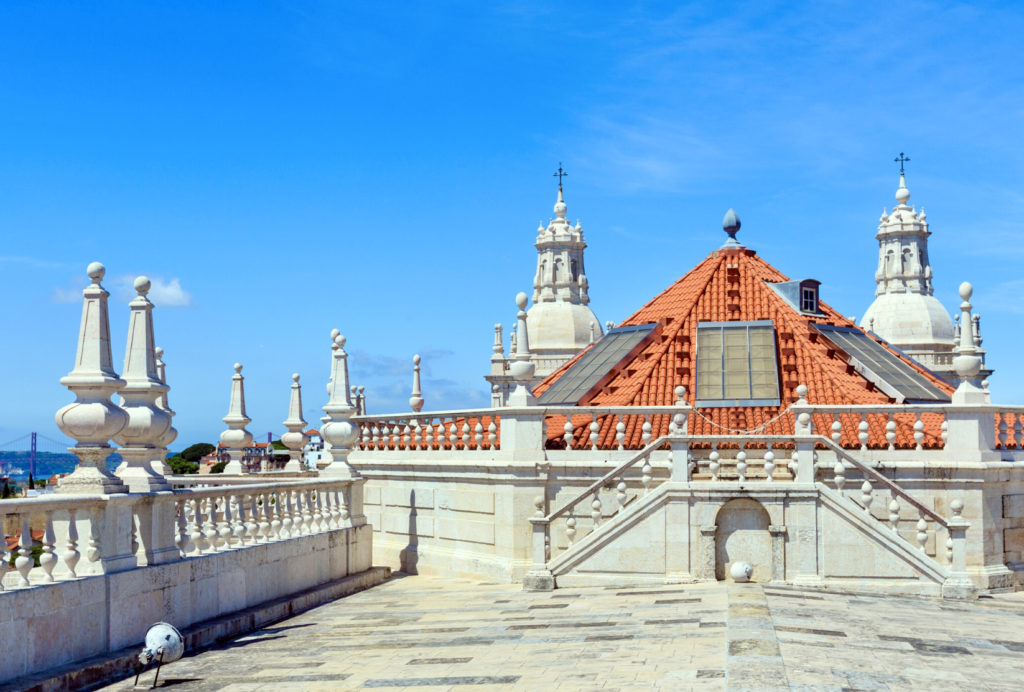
<point>512,345</point>
<point>147,422</point>
<point>593,332</point>
<point>160,466</point>
<point>731,225</point>
<point>522,367</point>
<point>499,347</point>
<point>966,358</point>
<point>361,402</point>
<point>236,438</point>
<point>977,329</point>
<point>560,207</point>
<point>608,326</point>
<point>902,193</point>
<point>296,436</point>
<point>416,399</point>
<point>339,431</point>
<point>801,394</point>
<point>92,419</point>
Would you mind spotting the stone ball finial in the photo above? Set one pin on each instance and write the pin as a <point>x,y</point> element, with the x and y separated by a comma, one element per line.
<point>142,285</point>
<point>521,300</point>
<point>334,334</point>
<point>957,506</point>
<point>801,391</point>
<point>295,377</point>
<point>238,368</point>
<point>680,392</point>
<point>96,271</point>
<point>158,352</point>
<point>416,359</point>
<point>902,194</point>
<point>966,290</point>
<point>339,340</point>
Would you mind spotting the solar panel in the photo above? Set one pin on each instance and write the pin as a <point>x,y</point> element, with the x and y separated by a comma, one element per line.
<point>881,366</point>
<point>587,372</point>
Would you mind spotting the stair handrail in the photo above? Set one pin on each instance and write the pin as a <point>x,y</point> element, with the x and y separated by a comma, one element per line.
<point>883,480</point>
<point>603,481</point>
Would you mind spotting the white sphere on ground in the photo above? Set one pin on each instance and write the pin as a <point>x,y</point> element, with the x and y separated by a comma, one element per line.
<point>741,571</point>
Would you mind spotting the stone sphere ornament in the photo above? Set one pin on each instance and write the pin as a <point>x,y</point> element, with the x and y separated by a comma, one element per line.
<point>741,571</point>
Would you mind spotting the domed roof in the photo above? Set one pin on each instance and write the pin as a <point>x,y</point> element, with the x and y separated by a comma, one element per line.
<point>560,327</point>
<point>909,319</point>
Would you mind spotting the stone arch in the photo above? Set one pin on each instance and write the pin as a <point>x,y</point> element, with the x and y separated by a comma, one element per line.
<point>742,535</point>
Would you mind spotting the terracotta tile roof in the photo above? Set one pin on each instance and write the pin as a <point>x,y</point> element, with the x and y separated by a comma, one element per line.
<point>732,284</point>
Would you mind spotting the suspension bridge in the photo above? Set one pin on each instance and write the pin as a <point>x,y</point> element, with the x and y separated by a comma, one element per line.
<point>36,454</point>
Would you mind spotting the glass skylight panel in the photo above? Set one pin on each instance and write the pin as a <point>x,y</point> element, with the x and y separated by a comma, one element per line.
<point>880,366</point>
<point>597,363</point>
<point>736,364</point>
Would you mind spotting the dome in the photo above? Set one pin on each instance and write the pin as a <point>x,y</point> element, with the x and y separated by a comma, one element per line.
<point>560,326</point>
<point>909,319</point>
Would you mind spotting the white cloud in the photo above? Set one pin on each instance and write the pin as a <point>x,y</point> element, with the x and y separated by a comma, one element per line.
<point>67,295</point>
<point>166,293</point>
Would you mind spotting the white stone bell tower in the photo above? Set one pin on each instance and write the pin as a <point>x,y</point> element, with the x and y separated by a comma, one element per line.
<point>560,320</point>
<point>904,312</point>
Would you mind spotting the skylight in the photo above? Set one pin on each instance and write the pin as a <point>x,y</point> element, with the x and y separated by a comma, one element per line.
<point>736,364</point>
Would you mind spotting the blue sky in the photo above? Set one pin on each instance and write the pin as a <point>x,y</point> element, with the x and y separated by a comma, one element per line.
<point>281,169</point>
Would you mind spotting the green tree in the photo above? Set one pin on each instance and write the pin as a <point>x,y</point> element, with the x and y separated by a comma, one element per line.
<point>218,467</point>
<point>181,466</point>
<point>196,452</point>
<point>277,444</point>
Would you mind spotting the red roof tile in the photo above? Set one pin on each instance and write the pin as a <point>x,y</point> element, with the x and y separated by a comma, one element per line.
<point>732,284</point>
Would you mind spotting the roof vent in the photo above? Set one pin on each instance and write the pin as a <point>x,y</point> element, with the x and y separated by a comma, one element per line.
<point>802,296</point>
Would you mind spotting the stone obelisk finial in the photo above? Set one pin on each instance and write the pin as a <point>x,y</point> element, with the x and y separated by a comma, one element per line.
<point>236,438</point>
<point>416,400</point>
<point>296,436</point>
<point>159,465</point>
<point>339,431</point>
<point>522,367</point>
<point>966,355</point>
<point>147,423</point>
<point>92,419</point>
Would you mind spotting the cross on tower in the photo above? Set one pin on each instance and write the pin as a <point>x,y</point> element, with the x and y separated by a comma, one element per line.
<point>560,174</point>
<point>901,159</point>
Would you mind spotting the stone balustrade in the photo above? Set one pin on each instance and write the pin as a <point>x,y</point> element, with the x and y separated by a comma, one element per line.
<point>1009,427</point>
<point>461,430</point>
<point>93,534</point>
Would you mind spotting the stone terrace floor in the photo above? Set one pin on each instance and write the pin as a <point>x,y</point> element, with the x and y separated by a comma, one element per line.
<point>424,633</point>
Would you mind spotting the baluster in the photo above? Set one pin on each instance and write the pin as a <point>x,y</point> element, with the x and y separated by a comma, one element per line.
<point>48,560</point>
<point>266,514</point>
<point>24,562</point>
<point>794,462</point>
<point>890,433</point>
<point>620,434</point>
<point>227,533</point>
<point>212,536</point>
<point>567,431</point>
<point>272,513</point>
<point>453,434</point>
<point>406,436</point>
<point>894,515</point>
<point>862,433</point>
<point>313,498</point>
<point>336,506</point>
<point>919,433</point>
<point>840,475</point>
<point>492,434</point>
<point>135,533</point>
<point>71,554</point>
<point>620,493</point>
<point>691,463</point>
<point>375,436</point>
<point>5,555</point>
<point>428,436</point>
<point>323,511</point>
<point>465,435</point>
<point>342,494</point>
<point>1002,430</point>
<point>242,533</point>
<point>949,549</point>
<point>594,429</point>
<point>307,511</point>
<point>286,514</point>
<point>837,430</point>
<point>647,474</point>
<point>570,529</point>
<point>92,553</point>
<point>478,435</point>
<point>922,531</point>
<point>298,520</point>
<point>181,539</point>
<point>713,464</point>
<point>366,436</point>
<point>595,508</point>
<point>945,433</point>
<point>769,463</point>
<point>197,538</point>
<point>646,431</point>
<point>741,463</point>
<point>1018,432</point>
<point>866,496</point>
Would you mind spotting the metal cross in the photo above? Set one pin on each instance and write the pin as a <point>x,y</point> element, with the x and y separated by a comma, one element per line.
<point>901,159</point>
<point>560,174</point>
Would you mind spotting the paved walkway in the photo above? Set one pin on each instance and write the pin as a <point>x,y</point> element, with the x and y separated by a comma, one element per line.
<point>422,633</point>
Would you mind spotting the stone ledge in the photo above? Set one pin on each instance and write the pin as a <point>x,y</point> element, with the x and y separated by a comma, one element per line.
<point>97,670</point>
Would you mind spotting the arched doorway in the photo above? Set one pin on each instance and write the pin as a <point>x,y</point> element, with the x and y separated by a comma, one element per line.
<point>742,536</point>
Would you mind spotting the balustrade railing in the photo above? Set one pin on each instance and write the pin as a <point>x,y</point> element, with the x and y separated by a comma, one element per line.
<point>1009,427</point>
<point>84,530</point>
<point>432,431</point>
